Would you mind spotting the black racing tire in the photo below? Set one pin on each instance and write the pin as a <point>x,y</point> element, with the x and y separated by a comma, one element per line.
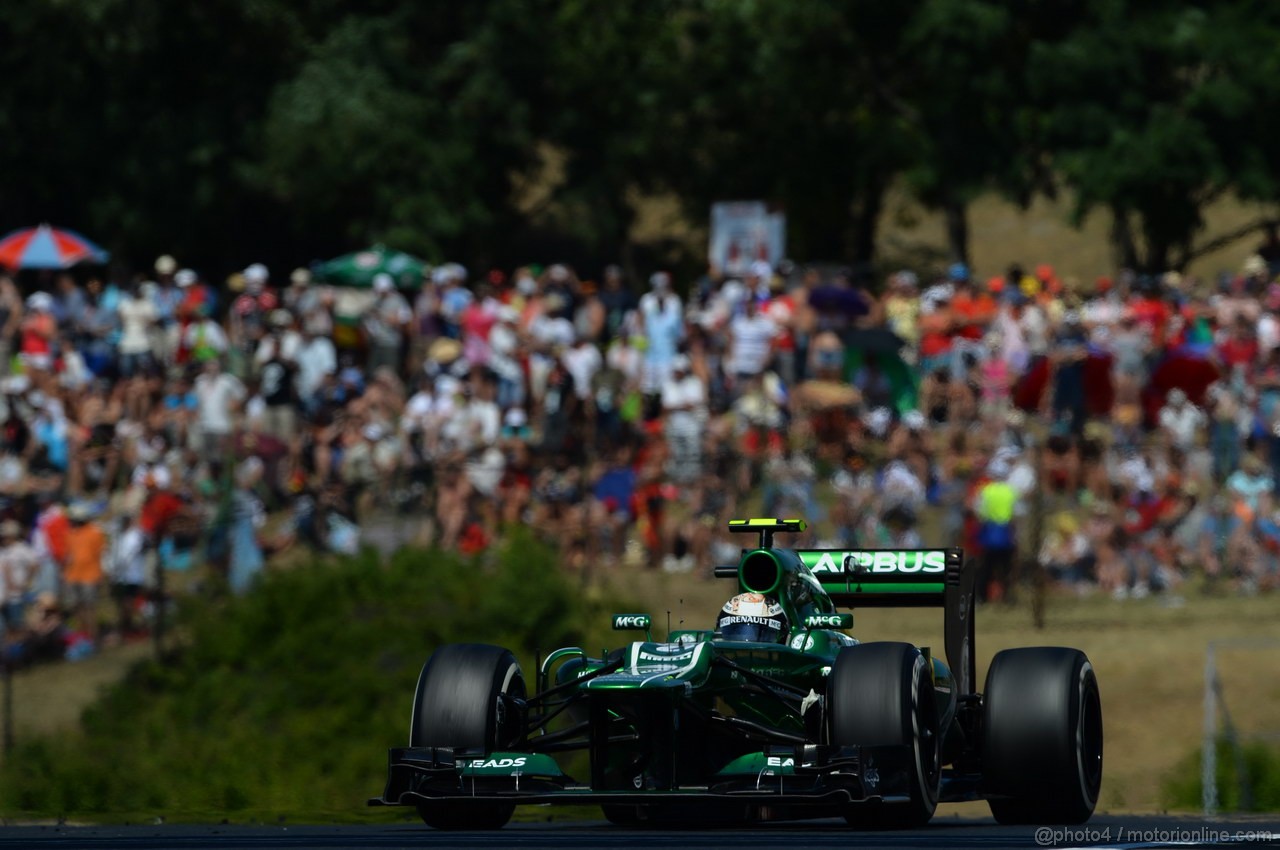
<point>1042,736</point>
<point>459,703</point>
<point>881,694</point>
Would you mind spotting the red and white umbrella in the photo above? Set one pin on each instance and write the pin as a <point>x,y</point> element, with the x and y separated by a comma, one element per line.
<point>46,247</point>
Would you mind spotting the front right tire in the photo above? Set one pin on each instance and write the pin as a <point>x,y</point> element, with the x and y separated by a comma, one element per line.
<point>463,699</point>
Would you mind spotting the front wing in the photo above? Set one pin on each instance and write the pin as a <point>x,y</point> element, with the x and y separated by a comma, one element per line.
<point>805,775</point>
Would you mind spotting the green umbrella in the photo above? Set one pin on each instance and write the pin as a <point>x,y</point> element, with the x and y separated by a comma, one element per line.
<point>360,268</point>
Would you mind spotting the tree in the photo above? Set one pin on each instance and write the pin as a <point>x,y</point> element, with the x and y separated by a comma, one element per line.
<point>407,127</point>
<point>132,120</point>
<point>963,98</point>
<point>1147,111</point>
<point>782,105</point>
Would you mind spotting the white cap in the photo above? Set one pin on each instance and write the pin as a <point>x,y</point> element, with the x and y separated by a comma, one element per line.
<point>515,418</point>
<point>300,276</point>
<point>449,272</point>
<point>382,282</point>
<point>184,277</point>
<point>447,385</point>
<point>913,419</point>
<point>156,475</point>
<point>42,301</point>
<point>256,273</point>
<point>373,432</point>
<point>762,269</point>
<point>877,420</point>
<point>680,363</point>
<point>558,273</point>
<point>734,291</point>
<point>165,264</point>
<point>80,512</point>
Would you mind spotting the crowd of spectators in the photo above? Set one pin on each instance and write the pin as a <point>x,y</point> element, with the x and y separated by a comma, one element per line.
<point>1119,435</point>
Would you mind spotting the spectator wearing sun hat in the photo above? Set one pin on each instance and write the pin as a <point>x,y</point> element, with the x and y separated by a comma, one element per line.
<point>300,297</point>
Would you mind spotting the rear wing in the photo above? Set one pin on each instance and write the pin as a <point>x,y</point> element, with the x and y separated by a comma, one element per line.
<point>906,578</point>
<point>885,578</point>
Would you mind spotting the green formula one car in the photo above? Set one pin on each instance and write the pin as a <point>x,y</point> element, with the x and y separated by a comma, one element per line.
<point>776,713</point>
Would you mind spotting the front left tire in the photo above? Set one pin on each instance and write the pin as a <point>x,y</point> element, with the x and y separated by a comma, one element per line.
<point>881,694</point>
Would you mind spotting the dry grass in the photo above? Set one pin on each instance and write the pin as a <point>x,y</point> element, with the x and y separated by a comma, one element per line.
<point>49,698</point>
<point>1002,233</point>
<point>1149,656</point>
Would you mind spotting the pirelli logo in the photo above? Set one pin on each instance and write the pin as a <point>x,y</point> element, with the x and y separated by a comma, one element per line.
<point>876,562</point>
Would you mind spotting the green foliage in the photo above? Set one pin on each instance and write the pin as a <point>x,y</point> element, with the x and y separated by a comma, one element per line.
<point>283,702</point>
<point>1152,112</point>
<point>1183,788</point>
<point>284,129</point>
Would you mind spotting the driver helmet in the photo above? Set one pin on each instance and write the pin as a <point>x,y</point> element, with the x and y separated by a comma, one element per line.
<point>753,617</point>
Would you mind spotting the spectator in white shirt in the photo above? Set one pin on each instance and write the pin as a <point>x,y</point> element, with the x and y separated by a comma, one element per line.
<point>1181,420</point>
<point>684,403</point>
<point>751,342</point>
<point>137,316</point>
<point>582,362</point>
<point>19,566</point>
<point>316,358</point>
<point>217,395</point>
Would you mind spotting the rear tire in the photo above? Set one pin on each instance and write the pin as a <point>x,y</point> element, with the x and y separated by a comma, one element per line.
<point>460,702</point>
<point>881,694</point>
<point>1042,736</point>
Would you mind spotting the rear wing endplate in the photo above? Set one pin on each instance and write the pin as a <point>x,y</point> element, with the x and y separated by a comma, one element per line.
<point>906,578</point>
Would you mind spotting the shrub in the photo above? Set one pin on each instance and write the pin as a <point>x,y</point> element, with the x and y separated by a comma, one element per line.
<point>1184,788</point>
<point>283,702</point>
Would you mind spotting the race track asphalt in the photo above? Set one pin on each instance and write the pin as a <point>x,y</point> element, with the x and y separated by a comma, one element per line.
<point>1148,831</point>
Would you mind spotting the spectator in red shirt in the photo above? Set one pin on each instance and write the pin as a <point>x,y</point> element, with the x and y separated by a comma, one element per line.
<point>1240,349</point>
<point>1152,314</point>
<point>160,507</point>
